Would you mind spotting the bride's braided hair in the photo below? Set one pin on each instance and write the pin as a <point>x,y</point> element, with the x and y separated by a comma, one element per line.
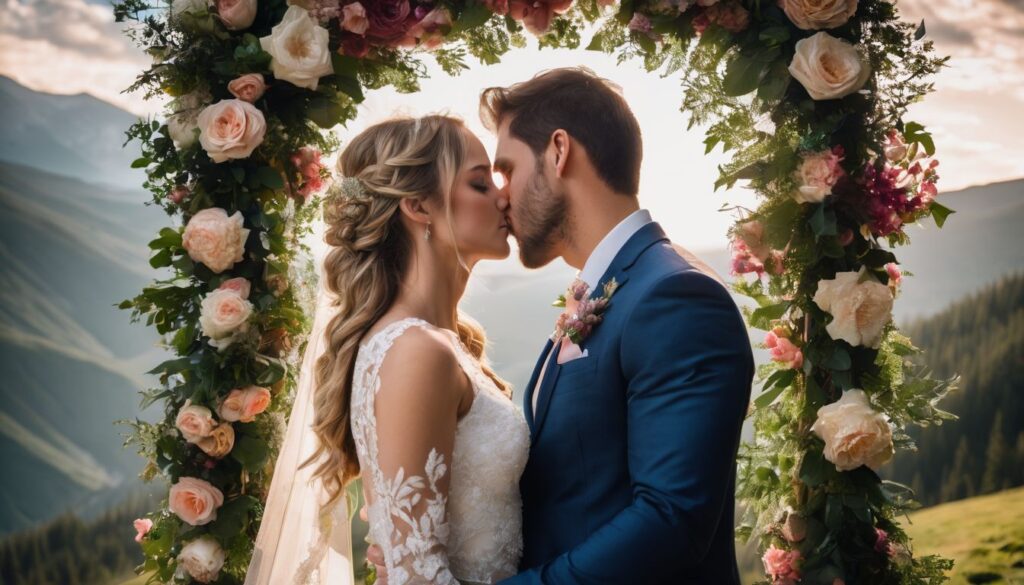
<point>370,250</point>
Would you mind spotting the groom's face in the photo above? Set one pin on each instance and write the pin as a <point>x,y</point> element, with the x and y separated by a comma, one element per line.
<point>537,206</point>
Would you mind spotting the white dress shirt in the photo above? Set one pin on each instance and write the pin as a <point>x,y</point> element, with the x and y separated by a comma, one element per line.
<point>597,264</point>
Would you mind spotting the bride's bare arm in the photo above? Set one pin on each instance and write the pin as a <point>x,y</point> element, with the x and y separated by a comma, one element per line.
<point>416,410</point>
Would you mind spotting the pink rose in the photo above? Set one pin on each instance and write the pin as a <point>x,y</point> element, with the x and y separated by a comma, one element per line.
<point>243,404</point>
<point>249,87</point>
<point>895,276</point>
<point>784,351</point>
<point>388,20</point>
<point>195,500</point>
<point>231,128</point>
<point>782,565</point>
<point>817,174</point>
<point>223,316</point>
<point>142,528</point>
<point>178,194</point>
<point>536,15</point>
<point>194,422</point>
<point>238,284</point>
<point>236,14</point>
<point>354,18</point>
<point>729,15</point>
<point>216,240</point>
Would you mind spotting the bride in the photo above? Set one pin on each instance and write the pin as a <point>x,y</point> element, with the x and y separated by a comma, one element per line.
<point>402,395</point>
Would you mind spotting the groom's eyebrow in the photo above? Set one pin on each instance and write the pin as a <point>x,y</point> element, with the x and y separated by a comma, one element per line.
<point>502,165</point>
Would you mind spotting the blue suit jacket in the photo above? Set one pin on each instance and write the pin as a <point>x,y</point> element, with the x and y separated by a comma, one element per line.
<point>632,466</point>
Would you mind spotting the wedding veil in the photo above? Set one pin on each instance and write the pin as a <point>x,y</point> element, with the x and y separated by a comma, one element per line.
<point>294,546</point>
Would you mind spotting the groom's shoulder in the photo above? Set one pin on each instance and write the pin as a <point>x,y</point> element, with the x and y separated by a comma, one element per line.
<point>669,265</point>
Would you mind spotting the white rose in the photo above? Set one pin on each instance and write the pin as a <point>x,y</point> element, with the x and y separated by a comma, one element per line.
<point>202,558</point>
<point>298,47</point>
<point>182,129</point>
<point>854,433</point>
<point>223,313</point>
<point>828,67</point>
<point>819,14</point>
<point>231,128</point>
<point>216,240</point>
<point>860,310</point>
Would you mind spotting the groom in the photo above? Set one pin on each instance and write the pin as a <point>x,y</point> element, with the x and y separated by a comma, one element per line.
<point>634,428</point>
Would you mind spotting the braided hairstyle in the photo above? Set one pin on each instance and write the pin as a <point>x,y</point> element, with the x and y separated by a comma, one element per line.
<point>370,249</point>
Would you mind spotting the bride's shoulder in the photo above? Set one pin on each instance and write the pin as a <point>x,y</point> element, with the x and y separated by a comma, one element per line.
<point>420,358</point>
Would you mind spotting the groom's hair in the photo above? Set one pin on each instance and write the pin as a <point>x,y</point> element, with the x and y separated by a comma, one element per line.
<point>589,108</point>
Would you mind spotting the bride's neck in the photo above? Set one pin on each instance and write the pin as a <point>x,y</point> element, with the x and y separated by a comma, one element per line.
<point>431,288</point>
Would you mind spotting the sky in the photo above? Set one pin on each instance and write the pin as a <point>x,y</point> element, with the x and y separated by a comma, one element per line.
<point>976,113</point>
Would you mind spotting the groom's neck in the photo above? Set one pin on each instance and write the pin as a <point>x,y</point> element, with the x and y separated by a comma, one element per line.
<point>591,216</point>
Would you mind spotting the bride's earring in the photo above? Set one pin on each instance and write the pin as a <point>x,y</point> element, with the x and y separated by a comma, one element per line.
<point>426,235</point>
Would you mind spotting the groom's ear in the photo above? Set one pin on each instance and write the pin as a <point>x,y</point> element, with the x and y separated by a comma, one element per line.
<point>415,209</point>
<point>560,145</point>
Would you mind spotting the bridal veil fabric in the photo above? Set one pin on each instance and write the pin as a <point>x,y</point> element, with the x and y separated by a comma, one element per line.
<point>294,545</point>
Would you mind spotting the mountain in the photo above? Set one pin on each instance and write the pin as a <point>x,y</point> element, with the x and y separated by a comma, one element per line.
<point>73,362</point>
<point>77,136</point>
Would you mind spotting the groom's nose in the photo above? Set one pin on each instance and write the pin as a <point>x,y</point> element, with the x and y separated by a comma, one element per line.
<point>503,202</point>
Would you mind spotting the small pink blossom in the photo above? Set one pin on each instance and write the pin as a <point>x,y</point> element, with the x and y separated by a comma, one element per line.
<point>881,541</point>
<point>781,565</point>
<point>893,270</point>
<point>178,194</point>
<point>142,528</point>
<point>307,161</point>
<point>784,351</point>
<point>640,23</point>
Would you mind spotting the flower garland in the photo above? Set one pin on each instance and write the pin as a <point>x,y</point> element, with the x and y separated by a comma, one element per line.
<point>808,95</point>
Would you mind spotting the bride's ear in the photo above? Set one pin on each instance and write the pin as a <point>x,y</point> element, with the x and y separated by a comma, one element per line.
<point>415,209</point>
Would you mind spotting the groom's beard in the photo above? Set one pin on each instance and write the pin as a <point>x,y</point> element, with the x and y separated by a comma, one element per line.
<point>539,222</point>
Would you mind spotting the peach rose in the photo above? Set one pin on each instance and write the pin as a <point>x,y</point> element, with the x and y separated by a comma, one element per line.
<point>195,422</point>
<point>298,49</point>
<point>195,500</point>
<point>243,404</point>
<point>782,565</point>
<point>854,433</point>
<point>223,314</point>
<point>216,240</point>
<point>784,351</point>
<point>219,442</point>
<point>231,129</point>
<point>238,284</point>
<point>819,14</point>
<point>248,87</point>
<point>142,528</point>
<point>202,558</point>
<point>860,310</point>
<point>354,18</point>
<point>236,14</point>
<point>827,67</point>
<point>817,174</point>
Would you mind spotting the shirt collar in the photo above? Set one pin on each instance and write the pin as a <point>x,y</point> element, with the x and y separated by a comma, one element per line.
<point>601,258</point>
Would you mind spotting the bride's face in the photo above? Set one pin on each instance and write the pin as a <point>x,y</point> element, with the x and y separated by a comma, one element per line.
<point>479,207</point>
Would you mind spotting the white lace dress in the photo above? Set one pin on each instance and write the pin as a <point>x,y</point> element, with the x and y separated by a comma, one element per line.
<point>472,533</point>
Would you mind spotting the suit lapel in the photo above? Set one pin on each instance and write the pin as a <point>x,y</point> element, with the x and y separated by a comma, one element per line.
<point>528,394</point>
<point>644,238</point>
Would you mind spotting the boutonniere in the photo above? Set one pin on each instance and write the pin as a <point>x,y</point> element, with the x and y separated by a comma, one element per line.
<point>581,313</point>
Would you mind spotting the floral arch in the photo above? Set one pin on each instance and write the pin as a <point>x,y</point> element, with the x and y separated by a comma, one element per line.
<point>807,95</point>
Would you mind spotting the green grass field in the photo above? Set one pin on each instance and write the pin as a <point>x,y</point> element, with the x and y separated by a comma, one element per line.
<point>984,535</point>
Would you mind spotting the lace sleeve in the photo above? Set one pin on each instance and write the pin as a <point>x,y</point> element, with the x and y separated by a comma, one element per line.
<point>416,409</point>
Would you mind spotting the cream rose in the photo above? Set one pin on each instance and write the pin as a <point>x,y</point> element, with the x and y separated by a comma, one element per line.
<point>298,47</point>
<point>819,14</point>
<point>236,14</point>
<point>195,500</point>
<point>860,310</point>
<point>223,314</point>
<point>219,442</point>
<point>202,558</point>
<point>248,87</point>
<point>243,404</point>
<point>827,67</point>
<point>194,421</point>
<point>817,174</point>
<point>231,129</point>
<point>216,240</point>
<point>854,433</point>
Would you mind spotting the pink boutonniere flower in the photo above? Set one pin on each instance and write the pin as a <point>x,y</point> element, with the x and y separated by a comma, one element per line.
<point>581,313</point>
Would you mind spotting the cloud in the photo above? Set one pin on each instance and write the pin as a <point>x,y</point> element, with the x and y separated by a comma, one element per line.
<point>71,46</point>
